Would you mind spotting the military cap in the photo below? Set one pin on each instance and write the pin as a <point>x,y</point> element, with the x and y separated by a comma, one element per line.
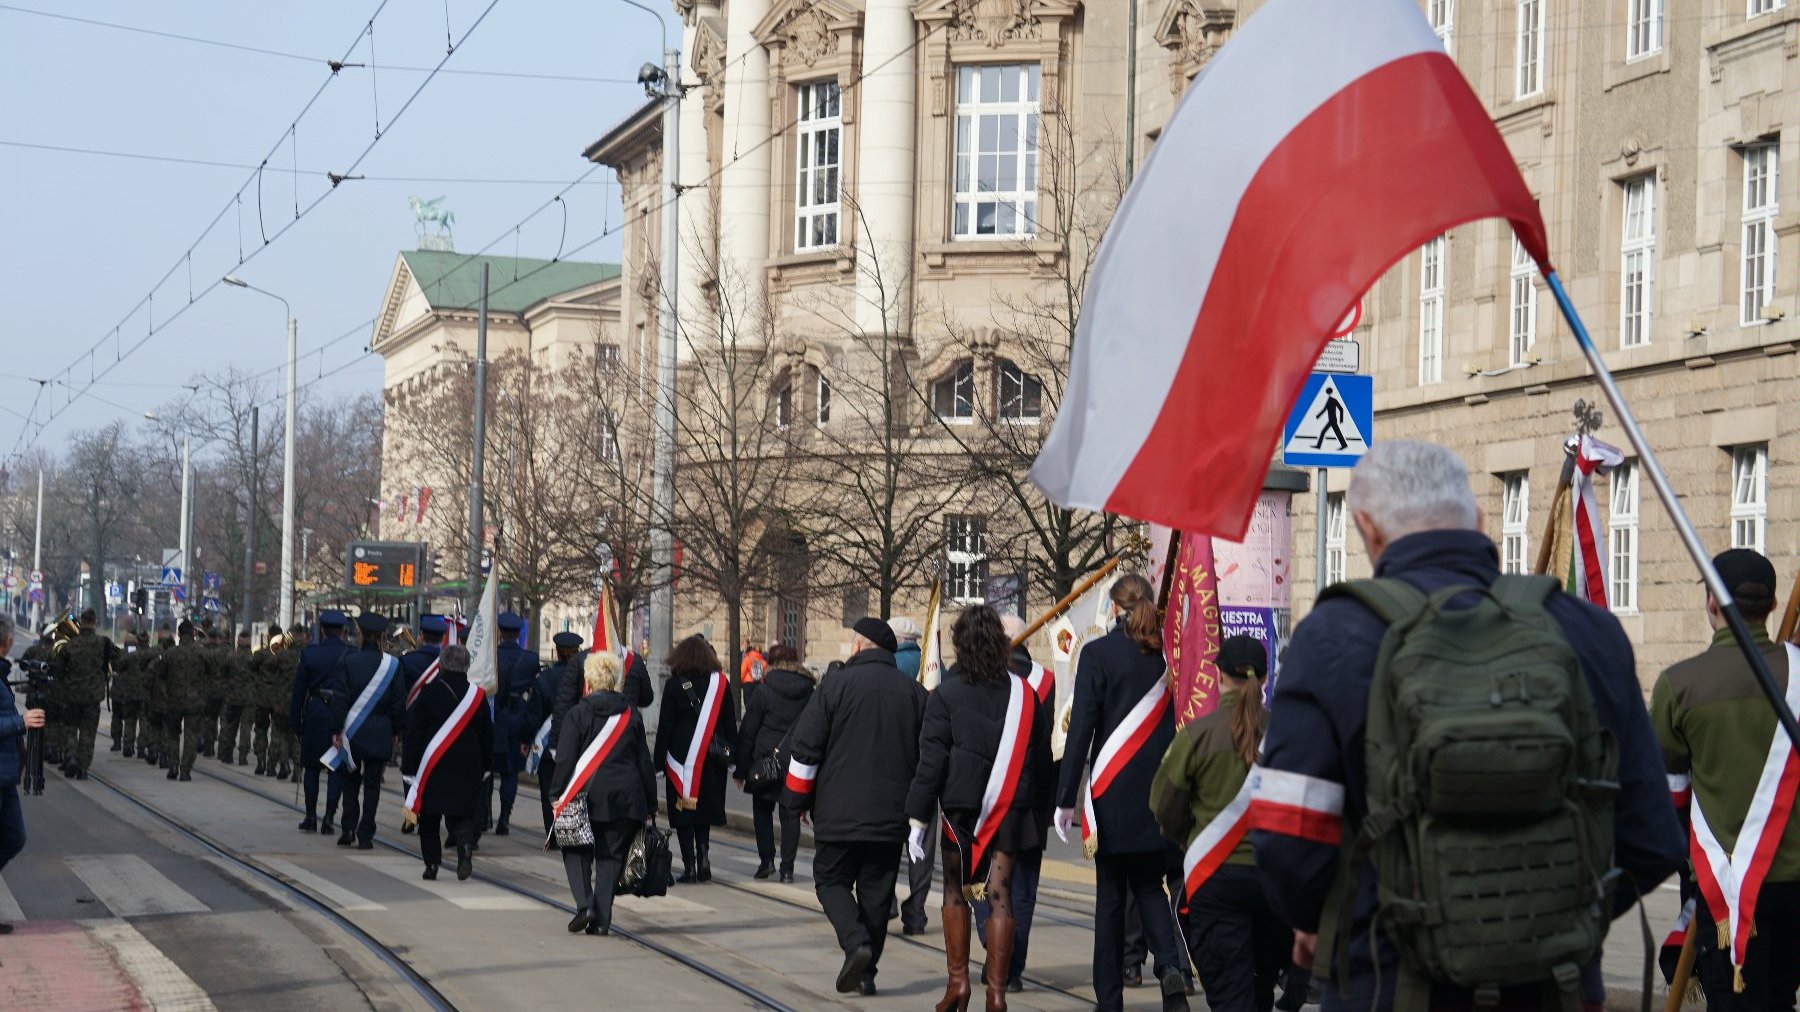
<point>566,640</point>
<point>370,622</point>
<point>332,619</point>
<point>509,622</point>
<point>433,624</point>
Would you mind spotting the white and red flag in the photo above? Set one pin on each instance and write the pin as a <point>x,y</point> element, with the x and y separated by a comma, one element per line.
<point>1324,142</point>
<point>1591,457</point>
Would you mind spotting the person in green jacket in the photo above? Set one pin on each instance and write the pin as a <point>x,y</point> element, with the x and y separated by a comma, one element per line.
<point>1200,798</point>
<point>238,694</point>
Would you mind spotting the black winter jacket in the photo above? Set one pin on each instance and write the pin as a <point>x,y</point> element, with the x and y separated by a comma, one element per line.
<point>454,787</point>
<point>635,687</point>
<point>957,746</point>
<point>771,712</point>
<point>861,733</point>
<point>624,787</point>
<point>1113,675</point>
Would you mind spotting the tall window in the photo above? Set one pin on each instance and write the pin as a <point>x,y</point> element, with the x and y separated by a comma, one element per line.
<point>996,152</point>
<point>953,397</point>
<point>1021,396</point>
<point>1622,540</point>
<point>609,435</point>
<point>1637,261</point>
<point>1515,513</point>
<point>1522,331</point>
<point>965,558</point>
<point>1334,538</point>
<point>823,404</point>
<point>1643,27</point>
<point>1529,49</point>
<point>1761,169</point>
<point>1442,14</point>
<point>784,405</point>
<point>1431,311</point>
<point>1749,495</point>
<point>606,358</point>
<point>819,138</point>
<point>1754,7</point>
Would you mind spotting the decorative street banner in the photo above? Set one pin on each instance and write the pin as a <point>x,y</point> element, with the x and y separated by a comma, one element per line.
<point>1253,573</point>
<point>1191,630</point>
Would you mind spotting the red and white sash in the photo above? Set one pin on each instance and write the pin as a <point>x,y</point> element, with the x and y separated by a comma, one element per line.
<point>1043,682</point>
<point>1216,840</point>
<point>440,743</point>
<point>1731,881</point>
<point>611,733</point>
<point>684,775</point>
<point>1116,753</point>
<point>426,677</point>
<point>1002,782</point>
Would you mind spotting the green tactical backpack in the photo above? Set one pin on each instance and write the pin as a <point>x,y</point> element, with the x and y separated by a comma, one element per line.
<point>1490,795</point>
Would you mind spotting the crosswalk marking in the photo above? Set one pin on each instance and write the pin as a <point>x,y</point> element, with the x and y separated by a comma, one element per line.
<point>162,984</point>
<point>130,887</point>
<point>9,907</point>
<point>334,894</point>
<point>467,895</point>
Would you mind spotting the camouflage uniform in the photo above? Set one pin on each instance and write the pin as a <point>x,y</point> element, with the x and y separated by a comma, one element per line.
<point>130,689</point>
<point>81,668</point>
<point>214,707</point>
<point>189,671</point>
<point>274,686</point>
<point>240,706</point>
<point>156,705</point>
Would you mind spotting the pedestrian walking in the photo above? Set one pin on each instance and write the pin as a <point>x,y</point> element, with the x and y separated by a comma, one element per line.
<point>1201,800</point>
<point>81,668</point>
<point>609,773</point>
<point>310,715</point>
<point>1719,740</point>
<point>906,644</point>
<point>13,725</point>
<point>855,751</point>
<point>239,712</point>
<point>448,751</point>
<point>187,670</point>
<point>750,671</point>
<point>768,717</point>
<point>913,920</point>
<point>368,704</point>
<point>544,716</point>
<point>517,675</point>
<point>695,731</point>
<point>984,757</point>
<point>130,689</point>
<point>156,701</point>
<point>1120,725</point>
<point>1503,661</point>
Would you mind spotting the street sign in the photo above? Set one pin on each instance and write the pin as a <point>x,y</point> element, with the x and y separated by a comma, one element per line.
<point>210,581</point>
<point>36,578</point>
<point>1332,422</point>
<point>115,594</point>
<point>1341,357</point>
<point>384,565</point>
<point>171,576</point>
<point>1350,320</point>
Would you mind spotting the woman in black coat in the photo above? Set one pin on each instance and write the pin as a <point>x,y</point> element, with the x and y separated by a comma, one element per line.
<point>620,792</point>
<point>967,721</point>
<point>693,672</point>
<point>772,710</point>
<point>452,792</point>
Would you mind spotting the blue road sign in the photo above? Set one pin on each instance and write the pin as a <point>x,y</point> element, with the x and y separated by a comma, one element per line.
<point>1332,423</point>
<point>171,576</point>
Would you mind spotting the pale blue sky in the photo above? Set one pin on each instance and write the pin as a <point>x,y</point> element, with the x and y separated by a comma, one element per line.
<point>86,236</point>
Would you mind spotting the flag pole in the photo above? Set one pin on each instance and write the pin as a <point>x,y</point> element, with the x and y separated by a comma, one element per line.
<point>1728,608</point>
<point>1790,616</point>
<point>1069,599</point>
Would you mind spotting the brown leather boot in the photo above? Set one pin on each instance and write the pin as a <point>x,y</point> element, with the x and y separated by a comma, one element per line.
<point>999,957</point>
<point>956,957</point>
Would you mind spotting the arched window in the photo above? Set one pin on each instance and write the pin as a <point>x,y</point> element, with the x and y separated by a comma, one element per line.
<point>1020,395</point>
<point>953,397</point>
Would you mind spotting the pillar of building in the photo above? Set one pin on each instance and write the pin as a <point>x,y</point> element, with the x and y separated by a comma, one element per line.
<point>886,128</point>
<point>699,247</point>
<point>744,180</point>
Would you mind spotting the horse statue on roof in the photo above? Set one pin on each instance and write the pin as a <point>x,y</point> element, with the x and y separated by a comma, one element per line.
<point>426,212</point>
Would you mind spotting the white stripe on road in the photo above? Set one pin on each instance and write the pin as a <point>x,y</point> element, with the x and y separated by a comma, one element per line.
<point>339,897</point>
<point>164,986</point>
<point>130,887</point>
<point>9,907</point>
<point>467,895</point>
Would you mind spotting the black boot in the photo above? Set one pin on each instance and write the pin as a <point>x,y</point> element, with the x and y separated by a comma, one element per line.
<point>705,860</point>
<point>345,838</point>
<point>261,767</point>
<point>309,824</point>
<point>172,774</point>
<point>766,869</point>
<point>465,863</point>
<point>325,826</point>
<point>185,776</point>
<point>117,746</point>
<point>500,828</point>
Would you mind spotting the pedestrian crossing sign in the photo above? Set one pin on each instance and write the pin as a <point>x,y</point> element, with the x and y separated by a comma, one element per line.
<point>1332,423</point>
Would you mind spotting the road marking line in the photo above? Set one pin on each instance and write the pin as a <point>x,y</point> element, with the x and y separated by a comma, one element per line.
<point>163,984</point>
<point>467,895</point>
<point>130,887</point>
<point>339,897</point>
<point>9,907</point>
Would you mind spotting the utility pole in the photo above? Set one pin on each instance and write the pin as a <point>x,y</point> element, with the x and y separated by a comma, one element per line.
<point>37,558</point>
<point>182,534</point>
<point>662,483</point>
<point>250,522</point>
<point>287,478</point>
<point>480,449</point>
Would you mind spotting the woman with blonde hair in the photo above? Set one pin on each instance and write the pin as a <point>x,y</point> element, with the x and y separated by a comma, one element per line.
<point>606,762</point>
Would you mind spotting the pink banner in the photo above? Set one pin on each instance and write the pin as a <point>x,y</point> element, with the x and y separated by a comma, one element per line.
<point>1253,573</point>
<point>1191,630</point>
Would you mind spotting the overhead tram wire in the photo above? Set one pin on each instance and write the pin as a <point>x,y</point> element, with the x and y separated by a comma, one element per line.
<point>300,214</point>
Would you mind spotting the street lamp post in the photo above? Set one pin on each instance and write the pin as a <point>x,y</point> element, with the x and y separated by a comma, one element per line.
<point>286,609</point>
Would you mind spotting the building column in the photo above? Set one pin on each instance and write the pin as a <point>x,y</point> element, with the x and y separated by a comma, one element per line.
<point>699,248</point>
<point>745,194</point>
<point>886,126</point>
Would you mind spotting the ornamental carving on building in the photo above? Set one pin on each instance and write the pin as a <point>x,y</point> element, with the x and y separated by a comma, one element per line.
<point>808,35</point>
<point>997,22</point>
<point>1192,32</point>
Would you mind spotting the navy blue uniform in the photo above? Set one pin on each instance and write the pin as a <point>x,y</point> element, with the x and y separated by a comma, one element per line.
<point>518,674</point>
<point>309,714</point>
<point>373,743</point>
<point>543,707</point>
<point>1315,739</point>
<point>413,665</point>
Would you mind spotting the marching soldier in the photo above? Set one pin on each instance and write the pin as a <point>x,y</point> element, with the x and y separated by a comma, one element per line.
<point>240,703</point>
<point>210,744</point>
<point>309,711</point>
<point>518,673</point>
<point>130,687</point>
<point>284,743</point>
<point>261,709</point>
<point>156,700</point>
<point>414,663</point>
<point>188,669</point>
<point>368,702</point>
<point>81,667</point>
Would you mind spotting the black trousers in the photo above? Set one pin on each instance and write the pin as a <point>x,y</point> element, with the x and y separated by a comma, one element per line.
<point>762,809</point>
<point>334,787</point>
<point>434,826</point>
<point>1771,962</point>
<point>1239,946</point>
<point>594,871</point>
<point>1135,948</point>
<point>918,881</point>
<point>855,885</point>
<point>692,839</point>
<point>1141,877</point>
<point>364,776</point>
<point>546,775</point>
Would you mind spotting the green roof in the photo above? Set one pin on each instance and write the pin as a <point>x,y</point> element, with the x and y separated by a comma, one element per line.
<point>515,284</point>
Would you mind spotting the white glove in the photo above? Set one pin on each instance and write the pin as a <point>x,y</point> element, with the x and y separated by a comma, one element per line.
<point>915,844</point>
<point>1065,817</point>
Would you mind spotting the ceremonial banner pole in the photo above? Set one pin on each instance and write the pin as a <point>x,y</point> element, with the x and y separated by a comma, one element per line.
<point>1734,619</point>
<point>1553,523</point>
<point>1790,617</point>
<point>1069,599</point>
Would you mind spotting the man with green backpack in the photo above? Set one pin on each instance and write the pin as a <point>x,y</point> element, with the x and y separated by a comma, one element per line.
<point>1460,787</point>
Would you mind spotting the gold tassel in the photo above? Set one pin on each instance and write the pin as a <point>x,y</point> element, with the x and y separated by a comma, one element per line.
<point>976,892</point>
<point>687,804</point>
<point>1090,847</point>
<point>1737,980</point>
<point>1724,935</point>
<point>407,817</point>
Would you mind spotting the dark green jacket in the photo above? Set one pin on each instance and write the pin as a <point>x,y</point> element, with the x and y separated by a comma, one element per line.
<point>189,671</point>
<point>1200,774</point>
<point>83,666</point>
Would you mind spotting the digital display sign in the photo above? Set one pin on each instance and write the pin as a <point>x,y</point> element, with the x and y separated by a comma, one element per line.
<point>384,565</point>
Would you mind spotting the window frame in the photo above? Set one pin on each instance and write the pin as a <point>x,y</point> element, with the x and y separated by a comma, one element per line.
<point>1433,257</point>
<point>784,405</point>
<point>1521,329</point>
<point>967,153</point>
<point>1761,190</point>
<point>1643,28</point>
<point>1637,314</point>
<point>1624,494</point>
<point>1024,381</point>
<point>609,436</point>
<point>1515,521</point>
<point>1757,8</point>
<point>822,400</point>
<point>1441,14</point>
<point>961,373</point>
<point>965,558</point>
<point>1750,496</point>
<point>1336,537</point>
<point>811,124</point>
<point>1528,49</point>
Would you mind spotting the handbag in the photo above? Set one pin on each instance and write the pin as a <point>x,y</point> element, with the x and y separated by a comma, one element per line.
<point>648,865</point>
<point>572,827</point>
<point>769,772</point>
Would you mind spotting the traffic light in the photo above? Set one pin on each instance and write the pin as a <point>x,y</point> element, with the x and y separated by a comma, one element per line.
<point>140,600</point>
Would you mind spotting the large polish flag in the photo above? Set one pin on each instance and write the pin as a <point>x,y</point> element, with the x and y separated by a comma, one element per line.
<point>1322,144</point>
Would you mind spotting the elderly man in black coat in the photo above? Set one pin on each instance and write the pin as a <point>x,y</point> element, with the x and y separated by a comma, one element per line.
<point>446,794</point>
<point>368,704</point>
